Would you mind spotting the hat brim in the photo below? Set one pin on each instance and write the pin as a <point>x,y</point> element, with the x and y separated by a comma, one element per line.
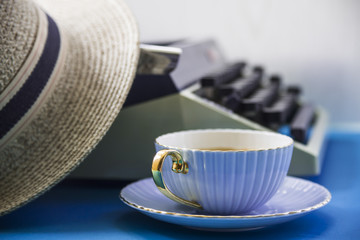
<point>100,64</point>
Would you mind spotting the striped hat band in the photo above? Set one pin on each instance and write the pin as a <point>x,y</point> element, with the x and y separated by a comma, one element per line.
<point>35,80</point>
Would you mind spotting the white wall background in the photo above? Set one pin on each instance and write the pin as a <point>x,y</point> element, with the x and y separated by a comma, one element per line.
<point>315,43</point>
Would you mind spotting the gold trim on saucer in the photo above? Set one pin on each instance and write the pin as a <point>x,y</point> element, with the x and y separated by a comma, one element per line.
<point>316,206</point>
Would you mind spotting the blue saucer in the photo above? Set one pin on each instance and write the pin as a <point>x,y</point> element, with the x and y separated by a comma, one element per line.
<point>295,198</point>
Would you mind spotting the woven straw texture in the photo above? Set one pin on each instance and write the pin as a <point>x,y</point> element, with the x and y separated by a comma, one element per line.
<point>16,38</point>
<point>101,61</point>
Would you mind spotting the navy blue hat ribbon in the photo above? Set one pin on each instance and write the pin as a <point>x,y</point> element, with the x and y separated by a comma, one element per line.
<point>28,93</point>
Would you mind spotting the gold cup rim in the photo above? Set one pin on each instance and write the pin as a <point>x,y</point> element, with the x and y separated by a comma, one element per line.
<point>291,141</point>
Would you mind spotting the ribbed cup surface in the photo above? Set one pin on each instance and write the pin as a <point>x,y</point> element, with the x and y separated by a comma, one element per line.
<point>229,182</point>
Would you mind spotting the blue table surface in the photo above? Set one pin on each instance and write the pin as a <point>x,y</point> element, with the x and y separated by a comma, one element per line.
<point>92,210</point>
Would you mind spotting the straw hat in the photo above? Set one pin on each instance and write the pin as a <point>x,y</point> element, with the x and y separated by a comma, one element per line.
<point>66,67</point>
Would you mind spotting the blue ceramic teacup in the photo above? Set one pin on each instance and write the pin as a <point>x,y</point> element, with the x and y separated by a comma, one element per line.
<point>223,171</point>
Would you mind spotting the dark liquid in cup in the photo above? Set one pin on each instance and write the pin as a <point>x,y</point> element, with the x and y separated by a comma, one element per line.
<point>223,149</point>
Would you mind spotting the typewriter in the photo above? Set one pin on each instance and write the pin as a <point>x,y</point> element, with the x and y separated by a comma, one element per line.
<point>189,85</point>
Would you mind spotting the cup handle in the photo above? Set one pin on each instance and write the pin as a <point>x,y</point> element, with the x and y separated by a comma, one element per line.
<point>178,166</point>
